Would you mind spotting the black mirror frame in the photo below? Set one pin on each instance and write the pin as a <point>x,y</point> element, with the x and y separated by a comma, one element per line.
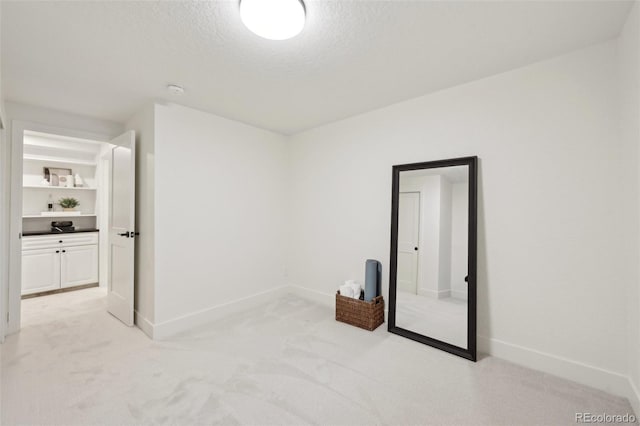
<point>472,163</point>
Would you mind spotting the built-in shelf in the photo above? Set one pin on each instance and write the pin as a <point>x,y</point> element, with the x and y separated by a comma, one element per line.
<point>59,187</point>
<point>59,160</point>
<point>62,214</point>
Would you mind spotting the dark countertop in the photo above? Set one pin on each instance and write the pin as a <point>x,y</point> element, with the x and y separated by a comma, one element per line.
<point>32,233</point>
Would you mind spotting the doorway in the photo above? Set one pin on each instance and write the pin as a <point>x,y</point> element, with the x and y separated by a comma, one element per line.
<point>62,216</point>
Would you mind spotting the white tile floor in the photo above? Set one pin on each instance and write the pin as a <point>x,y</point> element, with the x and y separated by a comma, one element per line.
<point>288,362</point>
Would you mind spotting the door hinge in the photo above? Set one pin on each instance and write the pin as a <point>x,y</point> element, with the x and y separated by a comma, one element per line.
<point>7,316</point>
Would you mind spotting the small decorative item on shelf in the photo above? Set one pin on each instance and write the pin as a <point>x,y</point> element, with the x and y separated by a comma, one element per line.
<point>78,181</point>
<point>68,204</point>
<point>53,175</point>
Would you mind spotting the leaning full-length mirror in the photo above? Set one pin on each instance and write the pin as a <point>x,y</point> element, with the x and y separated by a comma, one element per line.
<point>432,290</point>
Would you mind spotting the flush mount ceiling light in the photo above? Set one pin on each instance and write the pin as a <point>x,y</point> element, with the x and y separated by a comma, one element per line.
<point>273,19</point>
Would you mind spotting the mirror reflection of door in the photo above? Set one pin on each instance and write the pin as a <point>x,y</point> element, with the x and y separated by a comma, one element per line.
<point>408,231</point>
<point>431,296</point>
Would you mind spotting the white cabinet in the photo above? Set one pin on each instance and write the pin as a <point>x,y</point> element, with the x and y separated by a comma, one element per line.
<point>40,270</point>
<point>50,262</point>
<point>78,265</point>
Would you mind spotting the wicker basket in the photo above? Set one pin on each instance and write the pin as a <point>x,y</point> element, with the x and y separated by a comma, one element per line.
<point>367,315</point>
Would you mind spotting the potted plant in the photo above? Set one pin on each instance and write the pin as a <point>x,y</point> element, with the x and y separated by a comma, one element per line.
<point>68,204</point>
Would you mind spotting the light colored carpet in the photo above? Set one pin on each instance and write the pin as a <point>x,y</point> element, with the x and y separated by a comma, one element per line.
<point>443,319</point>
<point>289,362</point>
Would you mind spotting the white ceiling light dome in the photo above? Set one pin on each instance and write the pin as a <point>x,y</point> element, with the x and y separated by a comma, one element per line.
<point>273,19</point>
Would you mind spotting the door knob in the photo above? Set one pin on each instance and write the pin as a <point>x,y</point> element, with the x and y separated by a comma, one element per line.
<point>415,248</point>
<point>124,234</point>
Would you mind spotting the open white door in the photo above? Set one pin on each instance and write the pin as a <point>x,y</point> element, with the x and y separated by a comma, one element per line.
<point>408,231</point>
<point>122,228</point>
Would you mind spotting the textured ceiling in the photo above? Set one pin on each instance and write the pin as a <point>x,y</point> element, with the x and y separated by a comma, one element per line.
<point>106,59</point>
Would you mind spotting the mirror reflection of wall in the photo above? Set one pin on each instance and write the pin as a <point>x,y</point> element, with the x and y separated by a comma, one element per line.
<point>432,260</point>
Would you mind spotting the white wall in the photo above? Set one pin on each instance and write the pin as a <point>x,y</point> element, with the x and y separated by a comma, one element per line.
<point>629,85</point>
<point>5,211</point>
<point>459,239</point>
<point>61,119</point>
<point>220,213</point>
<point>444,227</point>
<point>553,220</point>
<point>143,124</point>
<point>5,162</point>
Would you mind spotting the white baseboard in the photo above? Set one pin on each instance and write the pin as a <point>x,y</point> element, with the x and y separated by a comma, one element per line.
<point>443,294</point>
<point>634,398</point>
<point>174,326</point>
<point>434,294</point>
<point>165,329</point>
<point>459,294</point>
<point>143,324</point>
<point>589,375</point>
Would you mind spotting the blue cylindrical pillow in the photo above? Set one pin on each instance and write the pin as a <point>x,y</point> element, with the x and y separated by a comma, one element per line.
<point>372,282</point>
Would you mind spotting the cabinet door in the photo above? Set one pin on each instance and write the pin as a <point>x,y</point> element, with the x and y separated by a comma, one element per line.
<point>79,265</point>
<point>40,270</point>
